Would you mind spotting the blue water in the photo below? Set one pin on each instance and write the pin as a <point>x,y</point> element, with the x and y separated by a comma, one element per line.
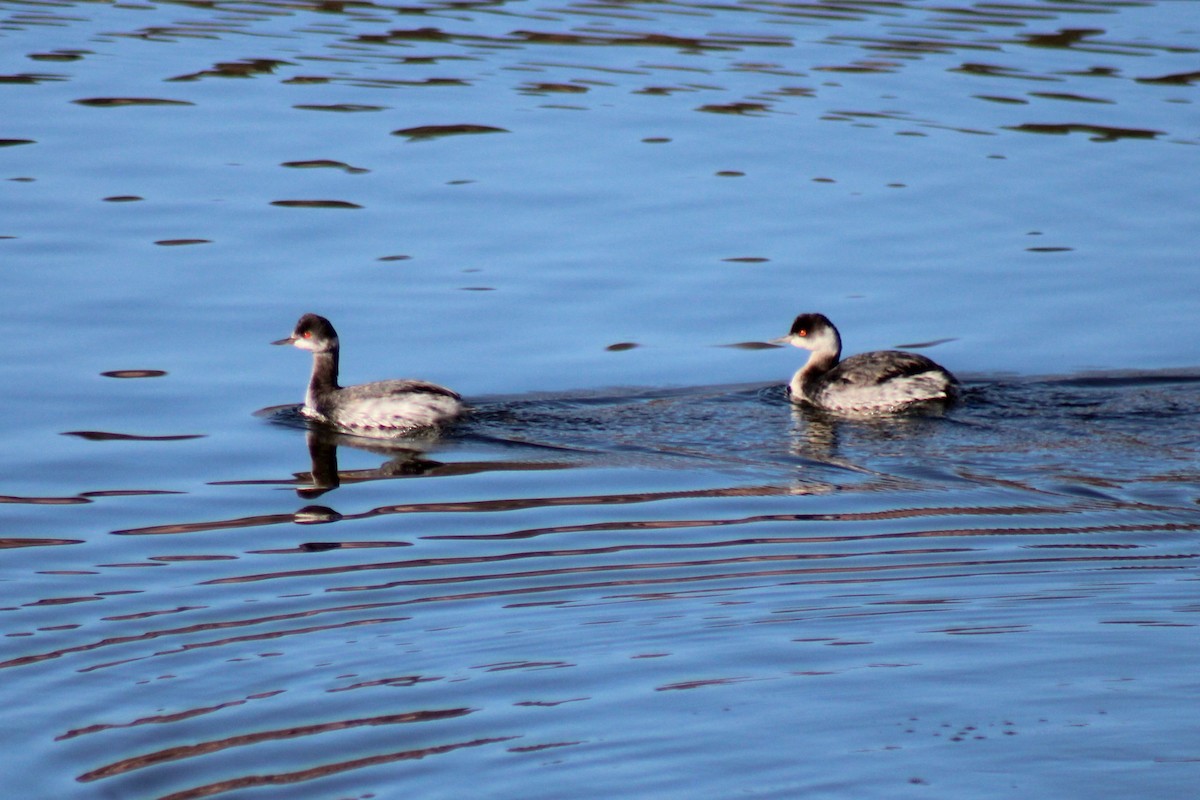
<point>636,571</point>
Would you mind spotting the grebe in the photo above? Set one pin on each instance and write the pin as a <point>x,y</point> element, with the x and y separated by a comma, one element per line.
<point>381,408</point>
<point>880,382</point>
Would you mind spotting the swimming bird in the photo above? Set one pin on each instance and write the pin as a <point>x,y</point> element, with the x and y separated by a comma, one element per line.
<point>382,408</point>
<point>883,381</point>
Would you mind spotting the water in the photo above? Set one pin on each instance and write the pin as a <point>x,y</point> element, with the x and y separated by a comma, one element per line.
<point>637,571</point>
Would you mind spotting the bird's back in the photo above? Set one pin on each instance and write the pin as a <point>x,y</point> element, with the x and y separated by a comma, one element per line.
<point>883,380</point>
<point>394,405</point>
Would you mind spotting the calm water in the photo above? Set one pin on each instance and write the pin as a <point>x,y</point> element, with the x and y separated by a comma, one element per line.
<point>636,571</point>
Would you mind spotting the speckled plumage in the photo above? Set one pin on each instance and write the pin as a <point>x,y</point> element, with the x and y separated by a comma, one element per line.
<point>384,408</point>
<point>395,405</point>
<point>883,381</point>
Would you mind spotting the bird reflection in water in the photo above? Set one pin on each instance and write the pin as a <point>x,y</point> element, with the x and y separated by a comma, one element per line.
<point>405,459</point>
<point>824,439</point>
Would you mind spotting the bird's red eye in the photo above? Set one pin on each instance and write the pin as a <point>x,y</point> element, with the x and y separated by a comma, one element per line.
<point>307,334</point>
<point>800,332</point>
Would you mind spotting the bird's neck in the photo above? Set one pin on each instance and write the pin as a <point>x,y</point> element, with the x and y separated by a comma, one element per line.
<point>324,377</point>
<point>819,362</point>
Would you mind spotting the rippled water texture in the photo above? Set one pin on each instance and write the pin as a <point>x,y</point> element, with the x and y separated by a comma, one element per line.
<point>636,570</point>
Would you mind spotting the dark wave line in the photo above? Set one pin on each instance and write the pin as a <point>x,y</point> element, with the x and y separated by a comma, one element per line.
<point>202,626</point>
<point>816,576</point>
<point>520,504</point>
<point>242,740</point>
<point>819,575</point>
<point>584,552</point>
<point>162,718</point>
<point>765,559</point>
<point>467,506</point>
<point>257,637</point>
<point>837,517</point>
<point>299,776</point>
<point>651,525</point>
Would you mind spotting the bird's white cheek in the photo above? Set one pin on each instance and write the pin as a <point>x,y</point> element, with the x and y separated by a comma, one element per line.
<point>303,344</point>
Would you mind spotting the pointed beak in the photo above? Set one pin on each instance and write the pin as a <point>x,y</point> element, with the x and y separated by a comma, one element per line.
<point>781,340</point>
<point>288,340</point>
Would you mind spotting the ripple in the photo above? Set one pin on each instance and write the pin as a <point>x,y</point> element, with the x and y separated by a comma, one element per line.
<point>327,769</point>
<point>1174,79</point>
<point>293,732</point>
<point>9,542</point>
<point>44,501</point>
<point>121,102</point>
<point>325,163</point>
<point>340,204</point>
<point>236,69</point>
<point>741,108</point>
<point>30,78</point>
<point>1098,133</point>
<point>110,436</point>
<point>437,131</point>
<point>159,719</point>
<point>134,373</point>
<point>345,108</point>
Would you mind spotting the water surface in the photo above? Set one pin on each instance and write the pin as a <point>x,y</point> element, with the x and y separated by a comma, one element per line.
<point>636,571</point>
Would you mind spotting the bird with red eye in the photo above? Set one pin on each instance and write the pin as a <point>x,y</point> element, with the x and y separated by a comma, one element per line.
<point>383,408</point>
<point>879,382</point>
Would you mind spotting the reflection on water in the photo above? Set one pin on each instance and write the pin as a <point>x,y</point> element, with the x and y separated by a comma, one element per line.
<point>414,630</point>
<point>406,457</point>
